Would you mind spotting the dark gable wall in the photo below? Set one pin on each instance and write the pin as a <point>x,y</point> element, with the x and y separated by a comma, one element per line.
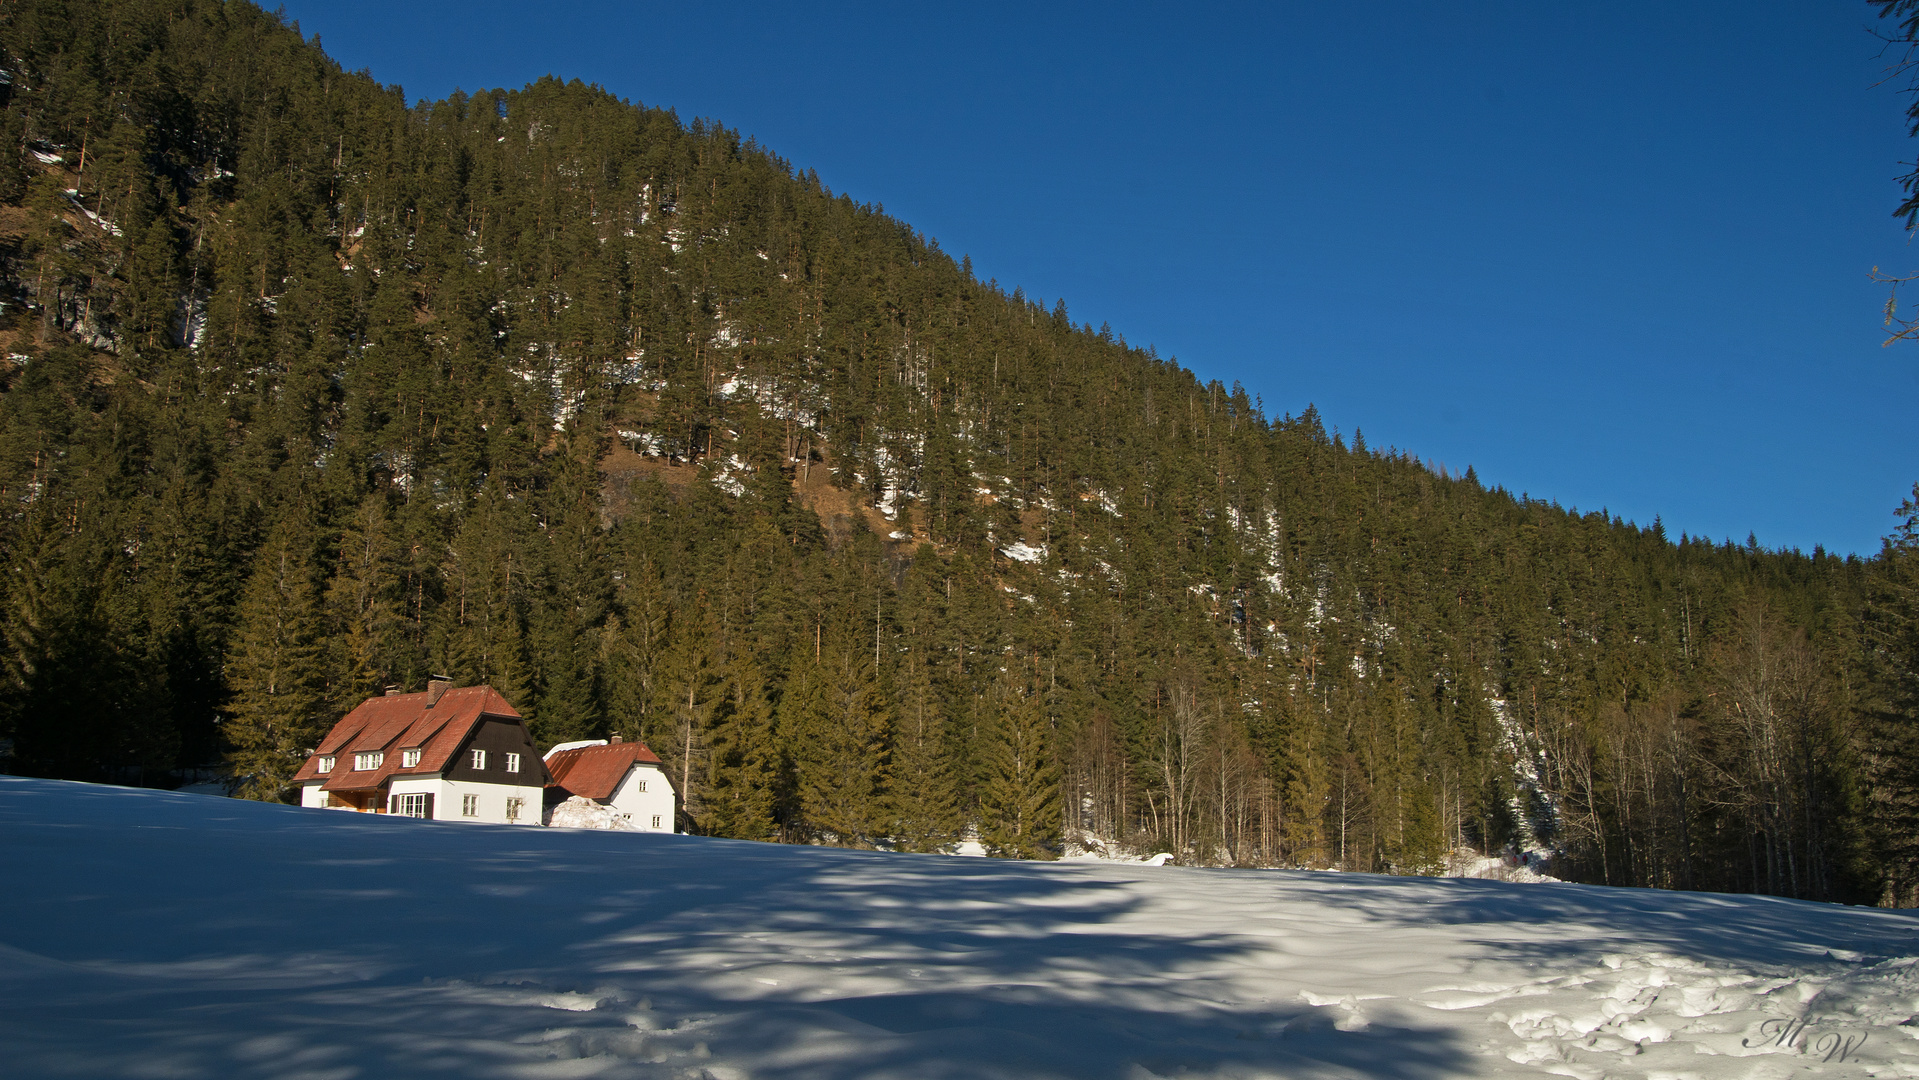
<point>499,738</point>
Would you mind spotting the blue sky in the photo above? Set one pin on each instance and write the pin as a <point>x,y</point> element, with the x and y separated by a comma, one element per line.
<point>1612,255</point>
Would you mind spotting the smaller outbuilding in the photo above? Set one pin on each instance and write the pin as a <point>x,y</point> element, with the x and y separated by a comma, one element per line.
<point>625,777</point>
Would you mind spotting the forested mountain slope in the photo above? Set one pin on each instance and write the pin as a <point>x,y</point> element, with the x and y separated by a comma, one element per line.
<point>313,392</point>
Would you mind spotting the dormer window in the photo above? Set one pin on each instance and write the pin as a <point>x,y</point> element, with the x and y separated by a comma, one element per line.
<point>409,758</point>
<point>325,764</point>
<point>367,762</point>
<point>479,759</point>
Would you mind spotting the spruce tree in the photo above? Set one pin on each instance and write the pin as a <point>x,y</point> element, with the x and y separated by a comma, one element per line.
<point>746,766</point>
<point>924,804</point>
<point>1019,798</point>
<point>1891,742</point>
<point>680,730</point>
<point>837,729</point>
<point>276,668</point>
<point>365,639</point>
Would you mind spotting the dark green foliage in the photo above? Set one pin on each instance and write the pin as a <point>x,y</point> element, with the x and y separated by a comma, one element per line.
<point>276,666</point>
<point>924,809</point>
<point>1891,737</point>
<point>1019,800</point>
<point>836,725</point>
<point>662,439</point>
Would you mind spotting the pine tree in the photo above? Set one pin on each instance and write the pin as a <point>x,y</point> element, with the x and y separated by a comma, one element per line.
<point>58,689</point>
<point>1421,845</point>
<point>276,667</point>
<point>837,730</point>
<point>1892,732</point>
<point>689,680</point>
<point>746,771</point>
<point>481,637</point>
<point>1308,791</point>
<point>925,799</point>
<point>636,642</point>
<point>1019,800</point>
<point>363,608</point>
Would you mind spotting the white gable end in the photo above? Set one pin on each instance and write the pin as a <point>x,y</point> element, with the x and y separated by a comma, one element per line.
<point>646,797</point>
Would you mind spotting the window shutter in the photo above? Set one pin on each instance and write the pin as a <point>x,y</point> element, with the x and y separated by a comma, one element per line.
<point>429,806</point>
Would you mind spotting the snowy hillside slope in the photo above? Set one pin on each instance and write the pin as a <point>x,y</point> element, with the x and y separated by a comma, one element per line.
<point>147,934</point>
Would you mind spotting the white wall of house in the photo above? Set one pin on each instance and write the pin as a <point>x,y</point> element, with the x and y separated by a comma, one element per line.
<point>489,800</point>
<point>311,795</point>
<point>646,798</point>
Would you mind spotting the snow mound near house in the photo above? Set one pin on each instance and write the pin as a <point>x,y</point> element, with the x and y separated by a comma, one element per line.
<point>1088,848</point>
<point>151,934</point>
<point>582,813</point>
<point>1523,868</point>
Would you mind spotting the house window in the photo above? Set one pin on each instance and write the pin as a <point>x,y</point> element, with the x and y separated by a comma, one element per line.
<point>656,821</point>
<point>513,809</point>
<point>409,758</point>
<point>364,762</point>
<point>513,763</point>
<point>410,805</point>
<point>479,759</point>
<point>642,785</point>
<point>469,806</point>
<point>326,765</point>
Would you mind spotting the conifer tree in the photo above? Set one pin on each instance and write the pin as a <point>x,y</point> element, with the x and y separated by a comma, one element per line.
<point>746,767</point>
<point>480,633</point>
<point>1891,742</point>
<point>680,730</point>
<point>60,681</point>
<point>1019,799</point>
<point>1307,792</point>
<point>363,608</point>
<point>925,799</point>
<point>570,610</point>
<point>636,641</point>
<point>838,729</point>
<point>280,708</point>
<point>1420,847</point>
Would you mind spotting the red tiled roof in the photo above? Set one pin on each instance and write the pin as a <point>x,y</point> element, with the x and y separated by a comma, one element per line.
<point>595,771</point>
<point>397,722</point>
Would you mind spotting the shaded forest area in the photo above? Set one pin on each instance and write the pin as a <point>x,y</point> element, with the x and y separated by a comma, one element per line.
<point>309,392</point>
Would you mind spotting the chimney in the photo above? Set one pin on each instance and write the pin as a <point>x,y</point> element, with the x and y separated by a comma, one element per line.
<point>393,690</point>
<point>616,739</point>
<point>436,686</point>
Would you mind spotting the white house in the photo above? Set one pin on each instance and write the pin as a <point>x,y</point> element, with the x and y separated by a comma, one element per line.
<point>448,754</point>
<point>625,777</point>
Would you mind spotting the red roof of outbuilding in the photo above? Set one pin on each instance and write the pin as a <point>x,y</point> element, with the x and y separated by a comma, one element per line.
<point>596,771</point>
<point>397,722</point>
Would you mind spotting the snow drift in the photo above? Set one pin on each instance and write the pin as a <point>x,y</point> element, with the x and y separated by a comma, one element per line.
<point>578,813</point>
<point>147,934</point>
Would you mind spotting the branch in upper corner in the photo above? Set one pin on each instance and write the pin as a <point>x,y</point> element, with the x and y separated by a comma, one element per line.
<point>1908,328</point>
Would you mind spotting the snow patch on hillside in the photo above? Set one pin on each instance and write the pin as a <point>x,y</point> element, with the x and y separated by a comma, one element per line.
<point>1022,551</point>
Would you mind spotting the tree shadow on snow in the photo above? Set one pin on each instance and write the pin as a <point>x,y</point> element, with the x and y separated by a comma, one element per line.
<point>155,934</point>
<point>1562,922</point>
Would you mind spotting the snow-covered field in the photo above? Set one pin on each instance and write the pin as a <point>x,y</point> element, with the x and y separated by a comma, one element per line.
<point>145,934</point>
